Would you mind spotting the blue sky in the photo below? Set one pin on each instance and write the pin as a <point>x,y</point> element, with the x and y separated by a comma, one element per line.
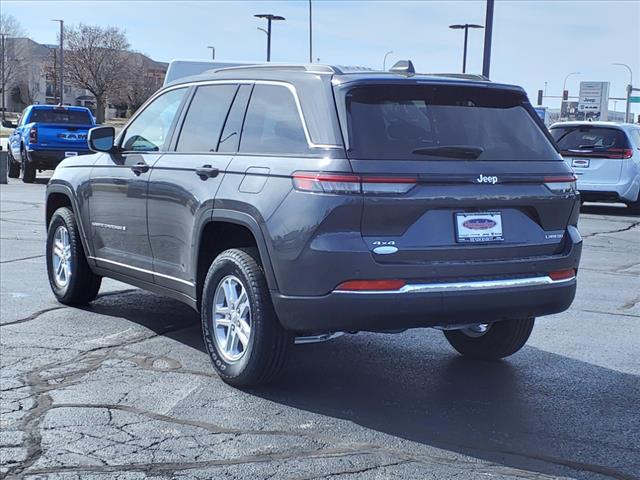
<point>535,41</point>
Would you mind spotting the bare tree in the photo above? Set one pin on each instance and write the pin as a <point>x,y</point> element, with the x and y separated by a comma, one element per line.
<point>141,81</point>
<point>10,29</point>
<point>96,59</point>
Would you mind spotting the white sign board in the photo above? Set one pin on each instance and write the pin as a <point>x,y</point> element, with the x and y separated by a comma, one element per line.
<point>593,103</point>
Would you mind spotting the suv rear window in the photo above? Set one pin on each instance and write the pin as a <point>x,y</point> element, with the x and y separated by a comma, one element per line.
<point>589,139</point>
<point>60,116</point>
<point>428,122</point>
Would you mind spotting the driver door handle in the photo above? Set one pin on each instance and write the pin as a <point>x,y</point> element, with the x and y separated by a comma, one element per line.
<point>139,168</point>
<point>207,171</point>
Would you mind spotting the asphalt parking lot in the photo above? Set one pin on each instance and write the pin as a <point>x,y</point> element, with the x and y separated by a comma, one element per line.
<point>123,388</point>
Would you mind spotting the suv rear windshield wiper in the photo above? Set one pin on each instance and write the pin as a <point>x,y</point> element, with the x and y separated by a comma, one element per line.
<point>451,151</point>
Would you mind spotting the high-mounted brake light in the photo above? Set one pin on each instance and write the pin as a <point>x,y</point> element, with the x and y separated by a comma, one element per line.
<point>33,135</point>
<point>562,274</point>
<point>371,285</point>
<point>561,183</point>
<point>351,183</point>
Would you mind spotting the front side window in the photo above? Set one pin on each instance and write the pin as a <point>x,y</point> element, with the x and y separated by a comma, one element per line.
<point>149,131</point>
<point>205,118</point>
<point>272,124</point>
<point>434,122</point>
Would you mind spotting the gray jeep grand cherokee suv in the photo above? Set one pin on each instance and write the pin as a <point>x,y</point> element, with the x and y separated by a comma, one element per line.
<point>298,201</point>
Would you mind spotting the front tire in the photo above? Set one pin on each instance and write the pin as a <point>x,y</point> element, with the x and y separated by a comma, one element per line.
<point>71,279</point>
<point>28,169</point>
<point>491,341</point>
<point>14,167</point>
<point>243,336</point>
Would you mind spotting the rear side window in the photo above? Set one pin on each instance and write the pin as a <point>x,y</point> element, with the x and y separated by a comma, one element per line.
<point>584,139</point>
<point>206,116</point>
<point>435,122</point>
<point>272,124</point>
<point>60,116</point>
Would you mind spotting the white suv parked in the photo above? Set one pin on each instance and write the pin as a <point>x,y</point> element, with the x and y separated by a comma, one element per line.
<point>605,157</point>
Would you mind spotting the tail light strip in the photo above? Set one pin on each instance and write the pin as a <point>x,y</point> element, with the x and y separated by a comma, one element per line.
<point>351,183</point>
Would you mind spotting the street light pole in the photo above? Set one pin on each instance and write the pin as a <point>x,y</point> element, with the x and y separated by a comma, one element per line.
<point>61,60</point>
<point>488,34</point>
<point>466,27</point>
<point>3,37</point>
<point>629,90</point>
<point>564,85</point>
<point>310,33</point>
<point>213,52</point>
<point>269,17</point>
<point>384,62</point>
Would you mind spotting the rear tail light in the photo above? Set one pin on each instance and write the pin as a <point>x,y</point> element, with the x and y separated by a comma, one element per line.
<point>561,183</point>
<point>351,183</point>
<point>371,285</point>
<point>562,274</point>
<point>33,135</point>
<point>621,153</point>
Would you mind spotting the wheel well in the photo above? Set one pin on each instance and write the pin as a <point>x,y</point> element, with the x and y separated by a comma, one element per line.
<point>215,239</point>
<point>56,201</point>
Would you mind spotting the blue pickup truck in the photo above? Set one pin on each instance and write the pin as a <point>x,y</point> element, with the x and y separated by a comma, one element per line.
<point>44,136</point>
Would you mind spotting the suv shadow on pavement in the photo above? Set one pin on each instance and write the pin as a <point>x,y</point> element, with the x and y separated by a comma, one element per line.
<point>537,411</point>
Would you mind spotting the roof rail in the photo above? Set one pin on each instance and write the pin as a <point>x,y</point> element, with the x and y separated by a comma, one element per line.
<point>465,76</point>
<point>312,67</point>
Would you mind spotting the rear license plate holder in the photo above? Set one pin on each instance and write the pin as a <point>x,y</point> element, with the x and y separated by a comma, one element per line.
<point>478,227</point>
<point>580,163</point>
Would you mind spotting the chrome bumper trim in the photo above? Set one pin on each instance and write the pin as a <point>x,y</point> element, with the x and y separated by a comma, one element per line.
<point>464,286</point>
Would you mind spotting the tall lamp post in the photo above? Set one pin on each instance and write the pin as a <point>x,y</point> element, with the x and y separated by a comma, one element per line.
<point>213,52</point>
<point>629,90</point>
<point>564,85</point>
<point>270,18</point>
<point>465,27</point>
<point>61,59</point>
<point>384,62</point>
<point>310,33</point>
<point>3,37</point>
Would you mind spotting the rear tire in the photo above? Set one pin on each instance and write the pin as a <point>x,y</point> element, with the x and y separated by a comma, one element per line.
<point>14,167</point>
<point>73,283</point>
<point>500,340</point>
<point>235,287</point>
<point>28,169</point>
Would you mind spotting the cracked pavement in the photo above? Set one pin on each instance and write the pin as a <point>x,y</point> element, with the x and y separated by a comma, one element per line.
<point>123,389</point>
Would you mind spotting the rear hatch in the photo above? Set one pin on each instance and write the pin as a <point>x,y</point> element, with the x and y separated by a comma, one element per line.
<point>61,128</point>
<point>461,172</point>
<point>595,153</point>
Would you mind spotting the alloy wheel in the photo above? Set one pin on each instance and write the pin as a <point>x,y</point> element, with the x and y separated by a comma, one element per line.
<point>231,318</point>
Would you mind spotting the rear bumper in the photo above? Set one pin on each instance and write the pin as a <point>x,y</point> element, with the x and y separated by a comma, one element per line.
<point>623,191</point>
<point>49,159</point>
<point>440,303</point>
<point>341,311</point>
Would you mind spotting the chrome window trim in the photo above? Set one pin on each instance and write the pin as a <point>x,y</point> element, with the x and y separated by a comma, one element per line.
<point>287,85</point>
<point>464,286</point>
<point>143,270</point>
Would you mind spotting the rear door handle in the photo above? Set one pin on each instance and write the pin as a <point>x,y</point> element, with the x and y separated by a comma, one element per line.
<point>207,171</point>
<point>139,168</point>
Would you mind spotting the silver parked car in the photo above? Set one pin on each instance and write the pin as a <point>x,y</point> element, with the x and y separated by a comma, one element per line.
<point>605,157</point>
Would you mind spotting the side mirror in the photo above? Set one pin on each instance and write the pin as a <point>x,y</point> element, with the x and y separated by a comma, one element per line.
<point>8,124</point>
<point>101,139</point>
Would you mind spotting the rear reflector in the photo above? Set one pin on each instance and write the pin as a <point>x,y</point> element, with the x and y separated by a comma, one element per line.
<point>561,183</point>
<point>562,274</point>
<point>371,285</point>
<point>33,135</point>
<point>351,183</point>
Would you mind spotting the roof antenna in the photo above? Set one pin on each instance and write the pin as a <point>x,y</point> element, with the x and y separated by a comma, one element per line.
<point>403,67</point>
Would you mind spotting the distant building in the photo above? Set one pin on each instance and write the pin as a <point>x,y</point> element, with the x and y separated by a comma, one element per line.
<point>32,69</point>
